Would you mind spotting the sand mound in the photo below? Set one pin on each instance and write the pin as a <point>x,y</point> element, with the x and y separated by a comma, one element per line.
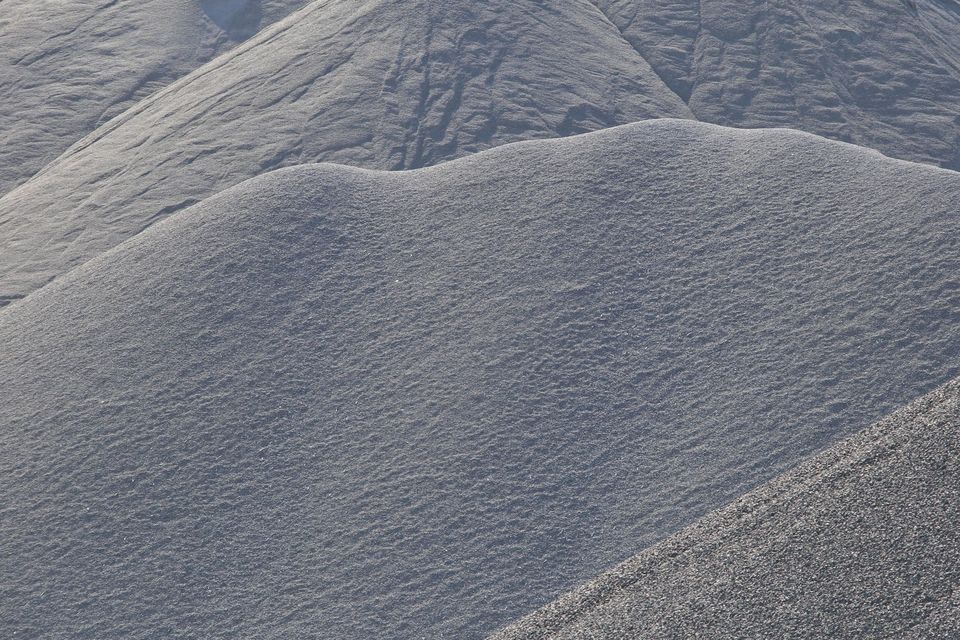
<point>334,402</point>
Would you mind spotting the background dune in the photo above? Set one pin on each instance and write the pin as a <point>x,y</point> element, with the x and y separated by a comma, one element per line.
<point>883,73</point>
<point>68,67</point>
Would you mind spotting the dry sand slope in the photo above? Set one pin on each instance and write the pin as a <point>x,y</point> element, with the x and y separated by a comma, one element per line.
<point>377,83</point>
<point>333,402</point>
<point>68,67</point>
<point>880,73</point>
<point>860,542</point>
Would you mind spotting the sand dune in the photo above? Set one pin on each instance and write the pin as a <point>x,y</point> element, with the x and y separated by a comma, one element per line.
<point>883,74</point>
<point>68,67</point>
<point>334,402</point>
<point>377,83</point>
<point>860,542</point>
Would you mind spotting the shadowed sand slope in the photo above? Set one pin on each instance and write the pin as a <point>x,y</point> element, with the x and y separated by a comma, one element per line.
<point>860,542</point>
<point>883,73</point>
<point>68,67</point>
<point>376,83</point>
<point>334,402</point>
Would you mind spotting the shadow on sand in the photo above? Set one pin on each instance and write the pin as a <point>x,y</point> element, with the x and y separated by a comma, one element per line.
<point>239,19</point>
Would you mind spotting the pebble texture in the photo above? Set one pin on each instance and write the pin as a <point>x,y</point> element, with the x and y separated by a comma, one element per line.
<point>377,83</point>
<point>68,67</point>
<point>334,402</point>
<point>860,542</point>
<point>879,73</point>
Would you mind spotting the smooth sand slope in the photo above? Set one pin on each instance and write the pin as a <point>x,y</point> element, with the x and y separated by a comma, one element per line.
<point>880,73</point>
<point>332,402</point>
<point>860,542</point>
<point>68,67</point>
<point>379,83</point>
